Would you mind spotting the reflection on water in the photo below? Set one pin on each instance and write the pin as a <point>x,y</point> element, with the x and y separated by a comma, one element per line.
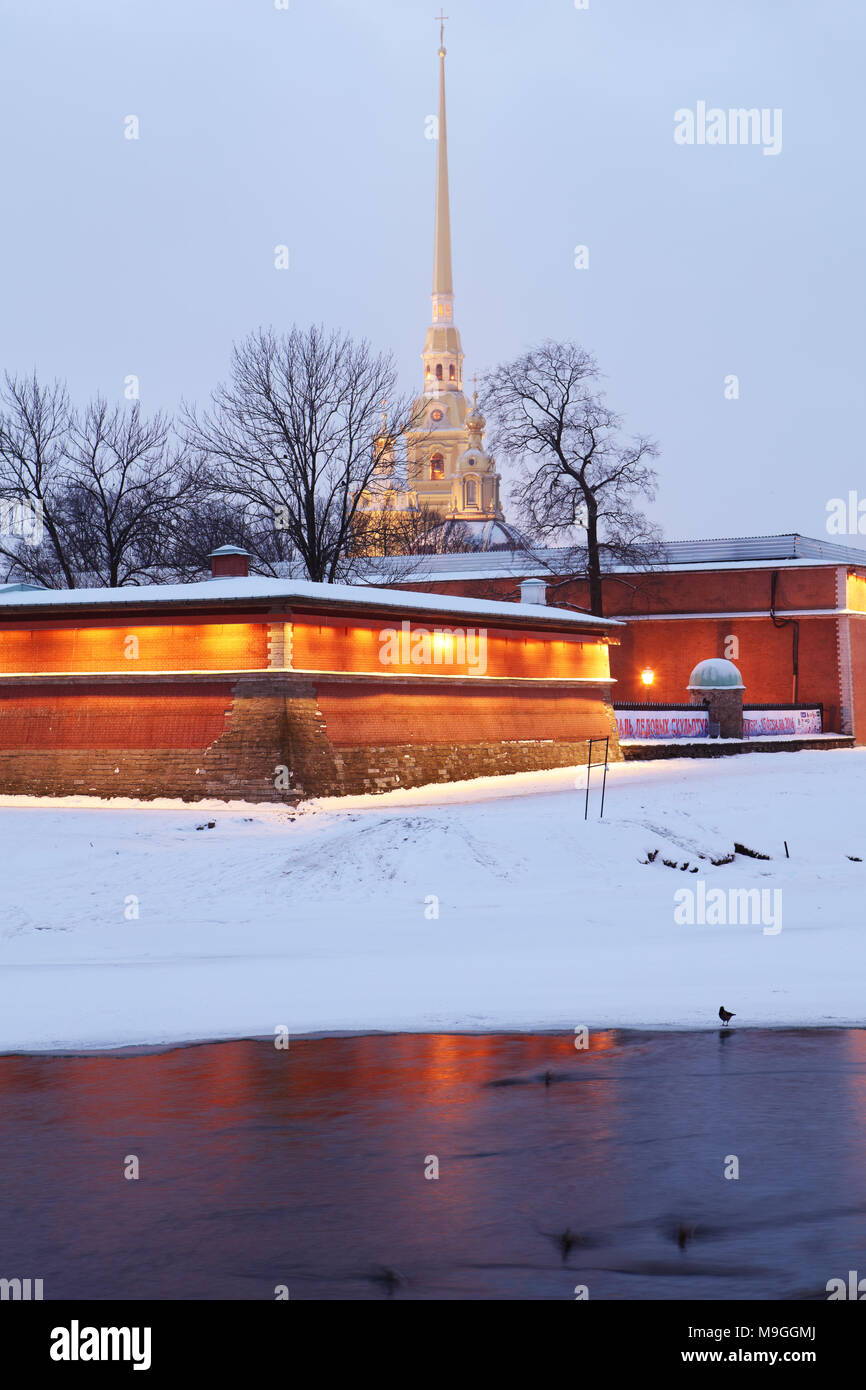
<point>306,1167</point>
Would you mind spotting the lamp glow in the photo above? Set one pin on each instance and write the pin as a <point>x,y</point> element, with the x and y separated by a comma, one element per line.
<point>647,675</point>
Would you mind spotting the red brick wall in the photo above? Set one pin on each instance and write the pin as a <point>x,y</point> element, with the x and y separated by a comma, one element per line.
<point>90,717</point>
<point>700,591</point>
<point>196,738</point>
<point>322,644</point>
<point>355,715</point>
<point>672,649</point>
<point>184,647</point>
<point>711,591</point>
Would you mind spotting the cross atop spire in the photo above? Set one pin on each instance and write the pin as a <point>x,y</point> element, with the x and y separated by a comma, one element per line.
<point>442,18</point>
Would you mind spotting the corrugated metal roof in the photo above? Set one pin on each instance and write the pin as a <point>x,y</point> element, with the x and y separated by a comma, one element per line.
<point>732,550</point>
<point>787,547</point>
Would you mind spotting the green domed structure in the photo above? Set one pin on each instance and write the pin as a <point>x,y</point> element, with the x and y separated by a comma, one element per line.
<point>715,674</point>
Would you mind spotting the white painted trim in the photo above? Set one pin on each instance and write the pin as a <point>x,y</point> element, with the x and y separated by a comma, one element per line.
<point>467,676</point>
<point>136,675</point>
<point>312,671</point>
<point>764,613</point>
<point>843,653</point>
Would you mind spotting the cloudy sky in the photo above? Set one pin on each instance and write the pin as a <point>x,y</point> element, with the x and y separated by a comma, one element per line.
<point>305,127</point>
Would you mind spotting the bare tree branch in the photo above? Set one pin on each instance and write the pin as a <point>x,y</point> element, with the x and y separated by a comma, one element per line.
<point>35,431</point>
<point>581,482</point>
<point>296,435</point>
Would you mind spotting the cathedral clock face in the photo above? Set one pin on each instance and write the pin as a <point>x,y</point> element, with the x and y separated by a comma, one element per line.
<point>436,415</point>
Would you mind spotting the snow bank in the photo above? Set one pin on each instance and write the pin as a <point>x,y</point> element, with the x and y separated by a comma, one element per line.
<point>121,923</point>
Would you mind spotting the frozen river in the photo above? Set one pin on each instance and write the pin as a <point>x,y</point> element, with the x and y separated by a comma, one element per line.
<point>557,1168</point>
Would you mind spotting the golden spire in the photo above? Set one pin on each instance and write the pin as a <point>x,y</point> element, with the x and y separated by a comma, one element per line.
<point>442,355</point>
<point>442,241</point>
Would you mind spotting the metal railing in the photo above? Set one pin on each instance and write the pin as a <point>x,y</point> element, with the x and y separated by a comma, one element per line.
<point>589,767</point>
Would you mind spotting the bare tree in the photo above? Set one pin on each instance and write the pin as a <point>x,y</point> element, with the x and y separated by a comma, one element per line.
<point>296,434</point>
<point>214,520</point>
<point>35,432</point>
<point>90,498</point>
<point>128,485</point>
<point>577,470</point>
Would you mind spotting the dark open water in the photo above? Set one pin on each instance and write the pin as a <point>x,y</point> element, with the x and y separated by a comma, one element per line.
<point>306,1168</point>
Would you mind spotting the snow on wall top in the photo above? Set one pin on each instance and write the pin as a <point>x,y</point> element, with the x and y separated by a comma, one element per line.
<point>295,592</point>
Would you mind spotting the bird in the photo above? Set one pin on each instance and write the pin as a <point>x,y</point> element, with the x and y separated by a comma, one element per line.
<point>725,1016</point>
<point>566,1242</point>
<point>388,1278</point>
<point>684,1234</point>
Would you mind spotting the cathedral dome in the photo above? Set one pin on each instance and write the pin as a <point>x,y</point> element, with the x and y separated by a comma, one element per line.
<point>482,535</point>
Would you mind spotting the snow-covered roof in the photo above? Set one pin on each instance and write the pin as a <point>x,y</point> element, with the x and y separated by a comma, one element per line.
<point>294,593</point>
<point>739,552</point>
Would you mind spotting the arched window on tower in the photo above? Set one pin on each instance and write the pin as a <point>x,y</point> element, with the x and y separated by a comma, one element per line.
<point>437,466</point>
<point>438,371</point>
<point>452,373</point>
<point>471,493</point>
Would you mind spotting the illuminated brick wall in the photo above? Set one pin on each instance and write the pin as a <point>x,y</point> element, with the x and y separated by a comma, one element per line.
<point>321,644</point>
<point>79,714</point>
<point>185,647</point>
<point>857,638</point>
<point>856,592</point>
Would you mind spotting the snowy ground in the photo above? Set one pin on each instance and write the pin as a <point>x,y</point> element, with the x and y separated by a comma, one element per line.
<point>324,920</point>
